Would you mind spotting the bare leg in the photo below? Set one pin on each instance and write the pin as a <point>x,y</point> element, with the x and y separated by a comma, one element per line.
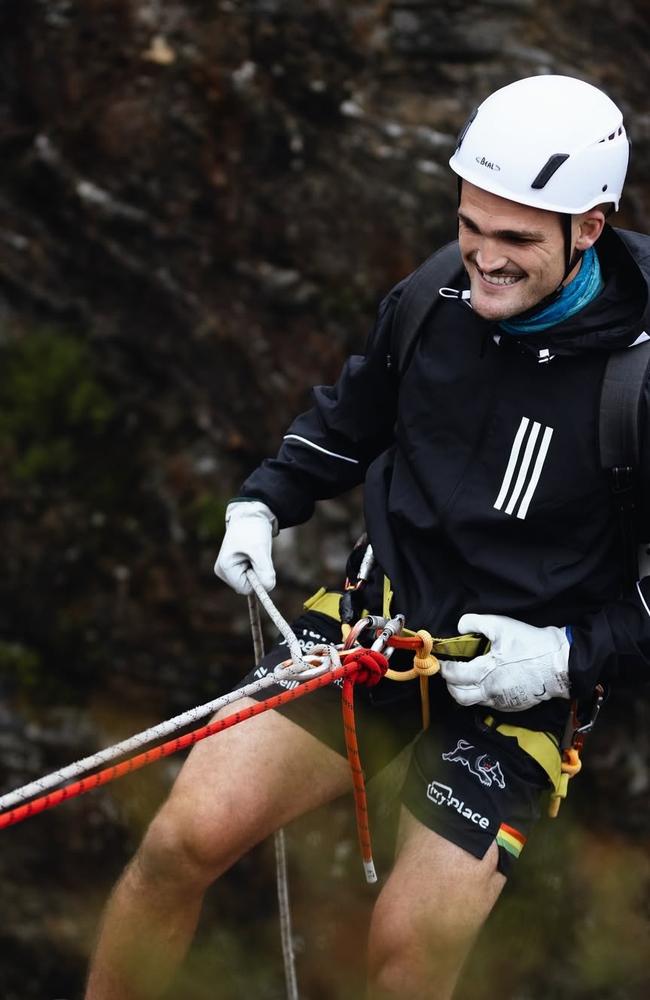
<point>234,790</point>
<point>428,914</point>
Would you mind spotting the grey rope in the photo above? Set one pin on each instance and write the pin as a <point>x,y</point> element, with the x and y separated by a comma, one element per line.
<point>299,669</point>
<point>281,876</point>
<point>280,623</point>
<point>140,740</point>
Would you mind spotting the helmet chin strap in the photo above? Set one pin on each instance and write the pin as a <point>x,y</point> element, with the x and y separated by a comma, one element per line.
<point>571,256</point>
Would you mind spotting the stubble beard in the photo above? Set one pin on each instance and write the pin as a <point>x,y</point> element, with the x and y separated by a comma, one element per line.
<point>517,299</point>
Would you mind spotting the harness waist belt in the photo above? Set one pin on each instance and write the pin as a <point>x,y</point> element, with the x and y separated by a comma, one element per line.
<point>455,647</point>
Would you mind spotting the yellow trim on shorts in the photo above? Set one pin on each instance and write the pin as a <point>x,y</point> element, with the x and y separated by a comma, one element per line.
<point>541,746</point>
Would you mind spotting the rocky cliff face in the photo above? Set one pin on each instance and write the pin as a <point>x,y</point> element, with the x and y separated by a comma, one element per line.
<point>200,206</point>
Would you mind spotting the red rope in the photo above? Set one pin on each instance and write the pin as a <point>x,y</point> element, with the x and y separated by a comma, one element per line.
<point>370,667</point>
<point>414,642</point>
<point>362,666</point>
<point>76,788</point>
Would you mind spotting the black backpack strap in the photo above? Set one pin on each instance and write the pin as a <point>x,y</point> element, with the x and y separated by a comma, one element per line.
<point>419,297</point>
<point>625,375</point>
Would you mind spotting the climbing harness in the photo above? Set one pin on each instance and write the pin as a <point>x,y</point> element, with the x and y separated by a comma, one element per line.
<point>572,744</point>
<point>557,758</point>
<point>421,643</point>
<point>350,662</point>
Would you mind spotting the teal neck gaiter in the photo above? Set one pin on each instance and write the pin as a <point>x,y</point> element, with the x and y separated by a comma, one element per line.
<point>587,284</point>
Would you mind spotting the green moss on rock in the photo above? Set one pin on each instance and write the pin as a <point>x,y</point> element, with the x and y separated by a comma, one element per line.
<point>51,402</point>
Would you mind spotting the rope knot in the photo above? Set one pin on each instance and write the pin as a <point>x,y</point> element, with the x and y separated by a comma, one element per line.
<point>369,666</point>
<point>424,663</point>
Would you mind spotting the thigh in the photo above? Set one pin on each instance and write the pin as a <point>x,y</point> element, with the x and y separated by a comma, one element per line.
<point>240,785</point>
<point>438,884</point>
<point>427,916</point>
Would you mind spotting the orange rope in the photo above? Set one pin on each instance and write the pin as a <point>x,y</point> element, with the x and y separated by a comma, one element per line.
<point>406,641</point>
<point>358,780</point>
<point>424,666</point>
<point>372,666</point>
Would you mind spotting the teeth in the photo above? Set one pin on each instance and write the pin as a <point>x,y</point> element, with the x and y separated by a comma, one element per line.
<point>502,280</point>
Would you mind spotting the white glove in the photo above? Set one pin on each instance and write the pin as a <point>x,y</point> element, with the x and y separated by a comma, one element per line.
<point>250,527</point>
<point>525,665</point>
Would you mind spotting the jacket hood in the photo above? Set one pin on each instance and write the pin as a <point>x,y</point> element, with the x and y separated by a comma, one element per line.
<point>616,318</point>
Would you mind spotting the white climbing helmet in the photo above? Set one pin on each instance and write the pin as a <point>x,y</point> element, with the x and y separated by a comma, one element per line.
<point>553,142</point>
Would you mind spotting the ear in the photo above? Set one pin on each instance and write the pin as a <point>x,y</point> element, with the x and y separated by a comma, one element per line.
<point>589,226</point>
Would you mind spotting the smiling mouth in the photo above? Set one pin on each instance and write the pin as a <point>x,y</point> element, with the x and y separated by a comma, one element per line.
<point>502,280</point>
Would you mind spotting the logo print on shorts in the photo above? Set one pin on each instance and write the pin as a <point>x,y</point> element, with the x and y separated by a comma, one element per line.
<point>443,795</point>
<point>482,766</point>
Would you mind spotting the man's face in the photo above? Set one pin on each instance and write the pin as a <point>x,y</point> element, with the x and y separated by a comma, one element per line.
<point>514,254</point>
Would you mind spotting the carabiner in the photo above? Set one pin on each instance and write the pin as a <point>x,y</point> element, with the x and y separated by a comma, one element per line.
<point>599,697</point>
<point>369,621</point>
<point>391,627</point>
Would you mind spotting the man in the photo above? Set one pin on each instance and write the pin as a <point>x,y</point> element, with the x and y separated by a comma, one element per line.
<point>487,512</point>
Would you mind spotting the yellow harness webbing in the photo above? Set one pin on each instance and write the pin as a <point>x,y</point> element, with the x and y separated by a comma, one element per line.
<point>388,598</point>
<point>541,746</point>
<point>464,647</point>
<point>325,602</point>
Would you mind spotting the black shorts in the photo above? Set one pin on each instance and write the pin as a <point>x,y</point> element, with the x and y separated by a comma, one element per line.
<point>466,781</point>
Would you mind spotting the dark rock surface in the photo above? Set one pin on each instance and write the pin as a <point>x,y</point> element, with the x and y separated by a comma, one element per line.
<point>200,206</point>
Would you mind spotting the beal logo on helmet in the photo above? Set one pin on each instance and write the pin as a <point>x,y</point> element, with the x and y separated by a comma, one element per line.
<point>482,162</point>
<point>553,142</point>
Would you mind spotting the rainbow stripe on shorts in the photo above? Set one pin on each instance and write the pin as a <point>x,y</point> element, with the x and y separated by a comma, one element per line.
<point>510,839</point>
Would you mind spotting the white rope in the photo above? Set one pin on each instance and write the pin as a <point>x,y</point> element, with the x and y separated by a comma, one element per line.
<point>293,673</point>
<point>282,626</point>
<point>279,842</point>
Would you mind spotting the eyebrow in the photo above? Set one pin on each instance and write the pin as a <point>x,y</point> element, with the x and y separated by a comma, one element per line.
<point>517,235</point>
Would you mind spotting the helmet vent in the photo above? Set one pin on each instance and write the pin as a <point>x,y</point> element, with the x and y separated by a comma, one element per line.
<point>614,135</point>
<point>549,168</point>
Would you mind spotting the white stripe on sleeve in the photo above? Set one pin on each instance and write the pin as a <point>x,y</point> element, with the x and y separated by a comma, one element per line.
<point>310,444</point>
<point>642,598</point>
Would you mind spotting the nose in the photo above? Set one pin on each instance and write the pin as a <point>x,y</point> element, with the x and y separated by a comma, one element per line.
<point>490,257</point>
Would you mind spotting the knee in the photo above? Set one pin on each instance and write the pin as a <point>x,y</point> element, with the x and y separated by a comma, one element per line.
<point>409,958</point>
<point>410,974</point>
<point>176,850</point>
<point>391,969</point>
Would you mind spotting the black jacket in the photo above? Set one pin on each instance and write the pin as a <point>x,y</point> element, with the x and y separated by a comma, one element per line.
<point>483,488</point>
